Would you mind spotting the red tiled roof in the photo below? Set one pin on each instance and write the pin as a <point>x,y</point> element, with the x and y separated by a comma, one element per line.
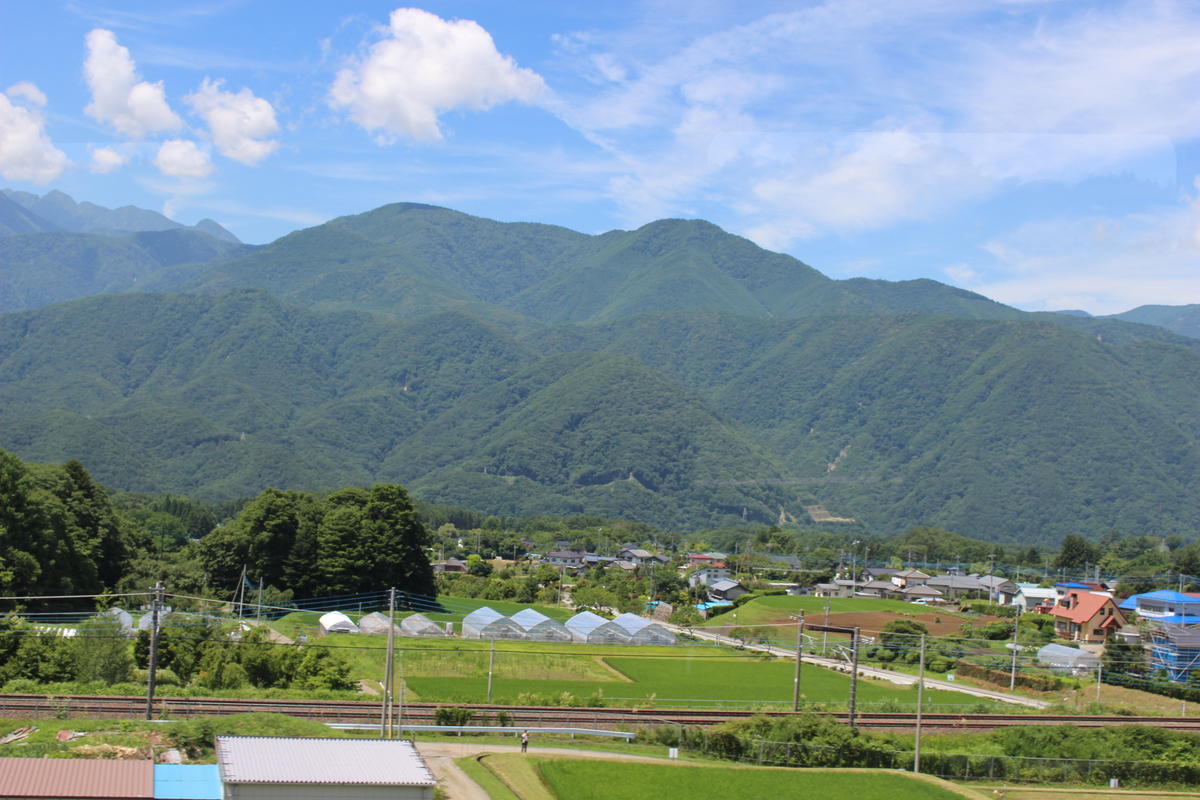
<point>1084,606</point>
<point>76,778</point>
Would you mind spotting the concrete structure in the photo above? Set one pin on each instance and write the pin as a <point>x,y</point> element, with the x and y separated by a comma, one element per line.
<point>337,622</point>
<point>539,627</point>
<point>487,623</point>
<point>278,768</point>
<point>595,629</point>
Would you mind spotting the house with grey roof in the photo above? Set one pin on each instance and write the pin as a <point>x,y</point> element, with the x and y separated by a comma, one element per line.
<point>727,589</point>
<point>271,767</point>
<point>956,587</point>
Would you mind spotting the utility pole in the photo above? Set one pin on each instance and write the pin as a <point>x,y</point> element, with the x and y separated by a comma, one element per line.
<point>825,633</point>
<point>853,675</point>
<point>1099,677</point>
<point>385,719</point>
<point>152,672</point>
<point>491,665</point>
<point>260,590</point>
<point>920,707</point>
<point>1012,676</point>
<point>799,654</point>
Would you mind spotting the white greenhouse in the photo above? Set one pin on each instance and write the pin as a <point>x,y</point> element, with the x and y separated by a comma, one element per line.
<point>337,622</point>
<point>541,628</point>
<point>1061,658</point>
<point>644,631</point>
<point>487,623</point>
<point>374,623</point>
<point>595,629</point>
<point>420,625</point>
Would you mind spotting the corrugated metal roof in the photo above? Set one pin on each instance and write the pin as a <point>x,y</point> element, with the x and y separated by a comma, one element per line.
<point>187,782</point>
<point>75,778</point>
<point>327,762</point>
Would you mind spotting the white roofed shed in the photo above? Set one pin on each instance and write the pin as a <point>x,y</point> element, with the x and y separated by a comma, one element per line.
<point>281,768</point>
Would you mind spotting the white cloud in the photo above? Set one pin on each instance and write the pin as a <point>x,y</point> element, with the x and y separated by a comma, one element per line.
<point>182,158</point>
<point>26,152</point>
<point>107,159</point>
<point>131,106</point>
<point>423,67</point>
<point>29,92</point>
<point>240,123</point>
<point>1103,264</point>
<point>843,116</point>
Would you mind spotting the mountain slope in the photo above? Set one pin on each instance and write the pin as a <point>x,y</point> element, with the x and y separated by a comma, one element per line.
<point>1008,430</point>
<point>15,219</point>
<point>1183,320</point>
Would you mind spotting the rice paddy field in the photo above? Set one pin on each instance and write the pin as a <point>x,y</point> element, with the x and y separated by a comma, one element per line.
<point>700,675</point>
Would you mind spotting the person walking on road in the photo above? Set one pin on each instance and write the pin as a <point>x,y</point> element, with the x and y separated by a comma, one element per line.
<point>524,741</point>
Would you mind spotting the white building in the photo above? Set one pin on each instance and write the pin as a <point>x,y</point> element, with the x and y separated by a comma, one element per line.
<point>280,768</point>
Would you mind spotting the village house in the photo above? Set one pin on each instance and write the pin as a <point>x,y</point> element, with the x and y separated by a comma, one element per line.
<point>910,577</point>
<point>1087,617</point>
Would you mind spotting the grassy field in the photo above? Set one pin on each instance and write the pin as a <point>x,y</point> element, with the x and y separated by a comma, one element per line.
<point>577,779</point>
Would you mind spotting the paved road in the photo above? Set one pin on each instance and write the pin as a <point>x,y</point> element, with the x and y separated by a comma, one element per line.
<point>900,678</point>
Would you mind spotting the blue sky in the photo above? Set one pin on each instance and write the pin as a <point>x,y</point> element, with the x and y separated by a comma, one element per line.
<point>1046,154</point>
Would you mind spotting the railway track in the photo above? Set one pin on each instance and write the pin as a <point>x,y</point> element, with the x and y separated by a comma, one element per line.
<point>23,706</point>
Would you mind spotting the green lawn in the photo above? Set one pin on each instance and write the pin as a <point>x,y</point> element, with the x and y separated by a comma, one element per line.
<point>606,780</point>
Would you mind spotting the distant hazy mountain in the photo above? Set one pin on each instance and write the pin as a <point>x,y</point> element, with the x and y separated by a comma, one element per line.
<point>406,260</point>
<point>38,269</point>
<point>1010,430</point>
<point>15,219</point>
<point>1184,320</point>
<point>63,213</point>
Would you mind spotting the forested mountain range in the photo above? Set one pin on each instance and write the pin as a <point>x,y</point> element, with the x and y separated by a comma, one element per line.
<point>1009,430</point>
<point>674,374</point>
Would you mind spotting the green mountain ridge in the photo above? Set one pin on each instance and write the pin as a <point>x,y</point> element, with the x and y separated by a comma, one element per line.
<point>1007,430</point>
<point>407,260</point>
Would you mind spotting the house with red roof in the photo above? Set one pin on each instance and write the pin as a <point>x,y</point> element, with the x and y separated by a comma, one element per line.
<point>1083,616</point>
